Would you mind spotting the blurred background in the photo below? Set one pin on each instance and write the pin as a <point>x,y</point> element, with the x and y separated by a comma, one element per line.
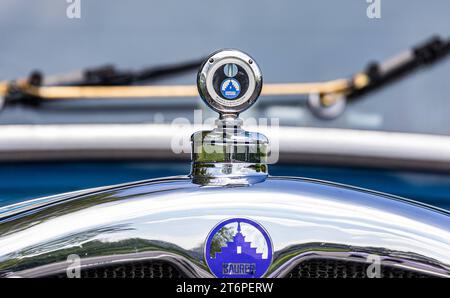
<point>293,41</point>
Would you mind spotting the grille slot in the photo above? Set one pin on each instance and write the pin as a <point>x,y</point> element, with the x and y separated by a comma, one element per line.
<point>141,269</point>
<point>332,268</point>
<point>311,268</point>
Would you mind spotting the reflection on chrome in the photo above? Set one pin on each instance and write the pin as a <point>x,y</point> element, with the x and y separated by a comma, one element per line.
<point>303,217</point>
<point>168,220</point>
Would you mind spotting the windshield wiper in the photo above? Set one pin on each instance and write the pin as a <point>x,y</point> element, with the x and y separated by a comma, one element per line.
<point>381,74</point>
<point>325,99</point>
<point>20,91</point>
<point>108,75</point>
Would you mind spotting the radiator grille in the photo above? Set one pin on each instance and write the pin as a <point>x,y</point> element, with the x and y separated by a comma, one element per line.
<point>144,269</point>
<point>331,268</point>
<point>312,268</point>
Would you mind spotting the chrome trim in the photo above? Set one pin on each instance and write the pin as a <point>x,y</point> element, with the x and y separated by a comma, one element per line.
<point>210,96</point>
<point>177,261</point>
<point>220,174</point>
<point>174,215</point>
<point>153,141</point>
<point>406,263</point>
<point>229,155</point>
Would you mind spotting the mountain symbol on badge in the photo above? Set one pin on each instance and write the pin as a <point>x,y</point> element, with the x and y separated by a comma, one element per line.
<point>230,88</point>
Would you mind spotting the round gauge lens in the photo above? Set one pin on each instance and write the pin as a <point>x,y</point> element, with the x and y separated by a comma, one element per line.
<point>230,70</point>
<point>230,87</point>
<point>229,81</point>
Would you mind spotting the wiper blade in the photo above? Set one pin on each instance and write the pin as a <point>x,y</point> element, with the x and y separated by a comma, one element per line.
<point>32,89</point>
<point>109,75</point>
<point>326,99</point>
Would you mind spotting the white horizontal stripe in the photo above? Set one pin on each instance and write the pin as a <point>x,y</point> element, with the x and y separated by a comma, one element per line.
<point>29,138</point>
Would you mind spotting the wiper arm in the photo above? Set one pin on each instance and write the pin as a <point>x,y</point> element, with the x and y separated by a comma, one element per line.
<point>329,105</point>
<point>27,90</point>
<point>326,99</point>
<point>108,75</point>
<point>381,74</point>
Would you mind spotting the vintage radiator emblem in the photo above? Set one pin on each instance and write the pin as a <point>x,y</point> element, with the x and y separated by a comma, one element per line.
<point>238,248</point>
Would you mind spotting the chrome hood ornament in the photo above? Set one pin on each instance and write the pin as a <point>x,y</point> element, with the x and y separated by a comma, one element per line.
<point>229,82</point>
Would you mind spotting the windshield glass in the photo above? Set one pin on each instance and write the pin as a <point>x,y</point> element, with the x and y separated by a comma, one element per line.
<point>293,41</point>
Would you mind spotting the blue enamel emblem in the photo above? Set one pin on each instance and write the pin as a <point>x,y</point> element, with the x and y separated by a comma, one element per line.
<point>230,88</point>
<point>238,248</point>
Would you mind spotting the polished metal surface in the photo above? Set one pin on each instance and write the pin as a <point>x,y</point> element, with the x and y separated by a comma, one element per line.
<point>222,174</point>
<point>170,218</point>
<point>298,145</point>
<point>227,154</point>
<point>323,111</point>
<point>207,90</point>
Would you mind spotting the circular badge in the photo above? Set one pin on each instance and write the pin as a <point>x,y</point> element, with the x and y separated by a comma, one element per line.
<point>238,248</point>
<point>230,88</point>
<point>229,81</point>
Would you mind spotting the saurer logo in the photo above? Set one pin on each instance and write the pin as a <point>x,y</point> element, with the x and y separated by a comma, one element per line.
<point>237,248</point>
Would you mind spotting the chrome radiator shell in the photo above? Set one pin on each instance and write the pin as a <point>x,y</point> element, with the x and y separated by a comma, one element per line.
<point>169,219</point>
